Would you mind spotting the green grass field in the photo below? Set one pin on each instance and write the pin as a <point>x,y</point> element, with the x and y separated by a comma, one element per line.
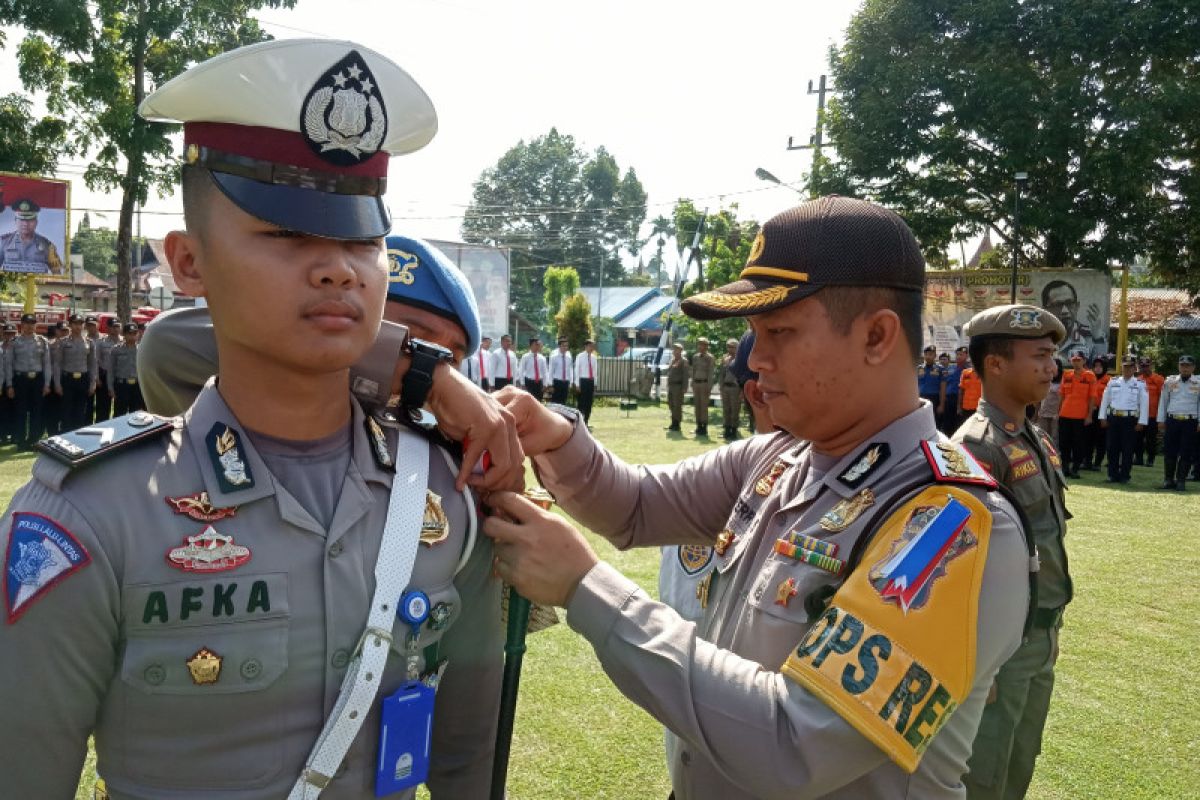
<point>1125,722</point>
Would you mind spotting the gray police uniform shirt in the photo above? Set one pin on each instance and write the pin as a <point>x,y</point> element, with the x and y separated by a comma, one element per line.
<point>738,727</point>
<point>123,369</point>
<point>104,347</point>
<point>1022,457</point>
<point>106,650</point>
<point>30,354</point>
<point>76,357</point>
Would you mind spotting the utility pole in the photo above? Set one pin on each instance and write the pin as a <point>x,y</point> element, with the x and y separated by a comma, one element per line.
<point>817,140</point>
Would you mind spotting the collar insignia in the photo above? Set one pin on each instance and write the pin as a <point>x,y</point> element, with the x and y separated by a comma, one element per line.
<point>846,511</point>
<point>952,463</point>
<point>379,444</point>
<point>343,118</point>
<point>224,446</point>
<point>435,527</point>
<point>205,667</point>
<point>867,463</point>
<point>208,551</point>
<point>932,537</point>
<point>198,507</point>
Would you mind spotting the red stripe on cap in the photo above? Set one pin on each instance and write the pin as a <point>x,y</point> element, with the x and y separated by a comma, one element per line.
<point>272,144</point>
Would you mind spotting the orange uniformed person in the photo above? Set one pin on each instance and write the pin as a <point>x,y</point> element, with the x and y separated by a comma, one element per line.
<point>1075,414</point>
<point>1147,441</point>
<point>970,389</point>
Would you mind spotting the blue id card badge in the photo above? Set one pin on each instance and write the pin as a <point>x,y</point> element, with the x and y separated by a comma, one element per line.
<point>405,737</point>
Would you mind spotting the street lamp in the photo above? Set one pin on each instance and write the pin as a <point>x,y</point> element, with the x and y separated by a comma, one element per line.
<point>763,175</point>
<point>1020,179</point>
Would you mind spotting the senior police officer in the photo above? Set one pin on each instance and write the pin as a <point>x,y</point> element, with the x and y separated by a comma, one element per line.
<point>703,367</point>
<point>1013,348</point>
<point>1124,409</point>
<point>75,374</point>
<point>1179,409</point>
<point>26,250</point>
<point>868,582</point>
<point>28,381</point>
<point>202,628</point>
<point>678,371</point>
<point>731,390</point>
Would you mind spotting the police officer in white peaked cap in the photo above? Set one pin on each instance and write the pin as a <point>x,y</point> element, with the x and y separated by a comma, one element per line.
<point>275,594</point>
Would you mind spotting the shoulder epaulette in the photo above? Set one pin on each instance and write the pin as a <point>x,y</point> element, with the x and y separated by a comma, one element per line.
<point>953,463</point>
<point>85,445</point>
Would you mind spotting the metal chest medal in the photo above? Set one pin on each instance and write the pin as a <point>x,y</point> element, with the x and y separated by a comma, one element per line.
<point>435,527</point>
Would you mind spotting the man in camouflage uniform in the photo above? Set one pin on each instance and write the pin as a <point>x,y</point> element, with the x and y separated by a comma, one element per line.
<point>1013,349</point>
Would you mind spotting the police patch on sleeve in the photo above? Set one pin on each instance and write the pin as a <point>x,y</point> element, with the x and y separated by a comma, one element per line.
<point>41,553</point>
<point>894,654</point>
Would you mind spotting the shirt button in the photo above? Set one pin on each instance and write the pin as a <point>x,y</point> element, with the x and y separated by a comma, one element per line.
<point>686,758</point>
<point>340,659</point>
<point>335,549</point>
<point>251,669</point>
<point>155,674</point>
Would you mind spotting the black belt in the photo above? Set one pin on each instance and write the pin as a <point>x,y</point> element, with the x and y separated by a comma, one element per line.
<point>1047,617</point>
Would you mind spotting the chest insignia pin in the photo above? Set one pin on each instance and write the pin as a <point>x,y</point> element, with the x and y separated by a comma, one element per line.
<point>786,591</point>
<point>435,527</point>
<point>205,667</point>
<point>724,539</point>
<point>846,511</point>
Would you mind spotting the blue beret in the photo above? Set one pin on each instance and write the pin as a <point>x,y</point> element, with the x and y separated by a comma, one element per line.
<point>741,362</point>
<point>421,275</point>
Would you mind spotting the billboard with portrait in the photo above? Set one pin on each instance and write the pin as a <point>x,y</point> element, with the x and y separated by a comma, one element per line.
<point>33,225</point>
<point>1078,297</point>
<point>487,270</point>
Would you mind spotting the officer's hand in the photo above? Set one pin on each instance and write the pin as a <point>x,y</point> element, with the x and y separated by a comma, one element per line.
<point>1088,421</point>
<point>58,390</point>
<point>540,429</point>
<point>467,414</point>
<point>992,692</point>
<point>537,551</point>
<point>1103,423</point>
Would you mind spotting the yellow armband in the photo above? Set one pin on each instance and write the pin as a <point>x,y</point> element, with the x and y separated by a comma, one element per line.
<point>894,654</point>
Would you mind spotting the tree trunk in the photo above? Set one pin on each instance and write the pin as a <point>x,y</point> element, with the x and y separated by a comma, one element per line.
<point>131,185</point>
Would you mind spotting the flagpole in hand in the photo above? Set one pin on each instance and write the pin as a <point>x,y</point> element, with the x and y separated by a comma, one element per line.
<point>514,655</point>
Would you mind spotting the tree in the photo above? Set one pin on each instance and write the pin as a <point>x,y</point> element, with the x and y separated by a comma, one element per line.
<point>96,61</point>
<point>29,145</point>
<point>574,321</point>
<point>725,247</point>
<point>560,283</point>
<point>553,203</point>
<point>940,103</point>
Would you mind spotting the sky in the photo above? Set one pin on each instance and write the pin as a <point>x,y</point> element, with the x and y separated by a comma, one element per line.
<point>693,95</point>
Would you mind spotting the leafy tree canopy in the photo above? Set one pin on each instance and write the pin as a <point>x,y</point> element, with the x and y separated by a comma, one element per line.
<point>724,250</point>
<point>29,145</point>
<point>941,102</point>
<point>560,283</point>
<point>574,321</point>
<point>553,203</point>
<point>95,62</point>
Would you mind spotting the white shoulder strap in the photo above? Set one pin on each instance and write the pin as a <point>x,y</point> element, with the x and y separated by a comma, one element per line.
<point>393,569</point>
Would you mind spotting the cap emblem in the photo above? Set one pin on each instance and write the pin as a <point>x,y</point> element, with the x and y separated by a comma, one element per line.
<point>1025,319</point>
<point>400,267</point>
<point>343,117</point>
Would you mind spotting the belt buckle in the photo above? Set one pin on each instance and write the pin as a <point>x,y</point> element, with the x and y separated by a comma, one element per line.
<point>30,375</point>
<point>76,375</point>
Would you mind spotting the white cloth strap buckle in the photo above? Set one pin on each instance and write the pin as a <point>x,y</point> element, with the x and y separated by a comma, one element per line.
<point>393,569</point>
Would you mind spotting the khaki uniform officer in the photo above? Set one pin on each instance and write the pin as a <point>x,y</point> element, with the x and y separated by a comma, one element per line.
<point>1179,408</point>
<point>704,366</point>
<point>678,372</point>
<point>731,392</point>
<point>75,374</point>
<point>867,586</point>
<point>1013,349</point>
<point>201,627</point>
<point>28,381</point>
